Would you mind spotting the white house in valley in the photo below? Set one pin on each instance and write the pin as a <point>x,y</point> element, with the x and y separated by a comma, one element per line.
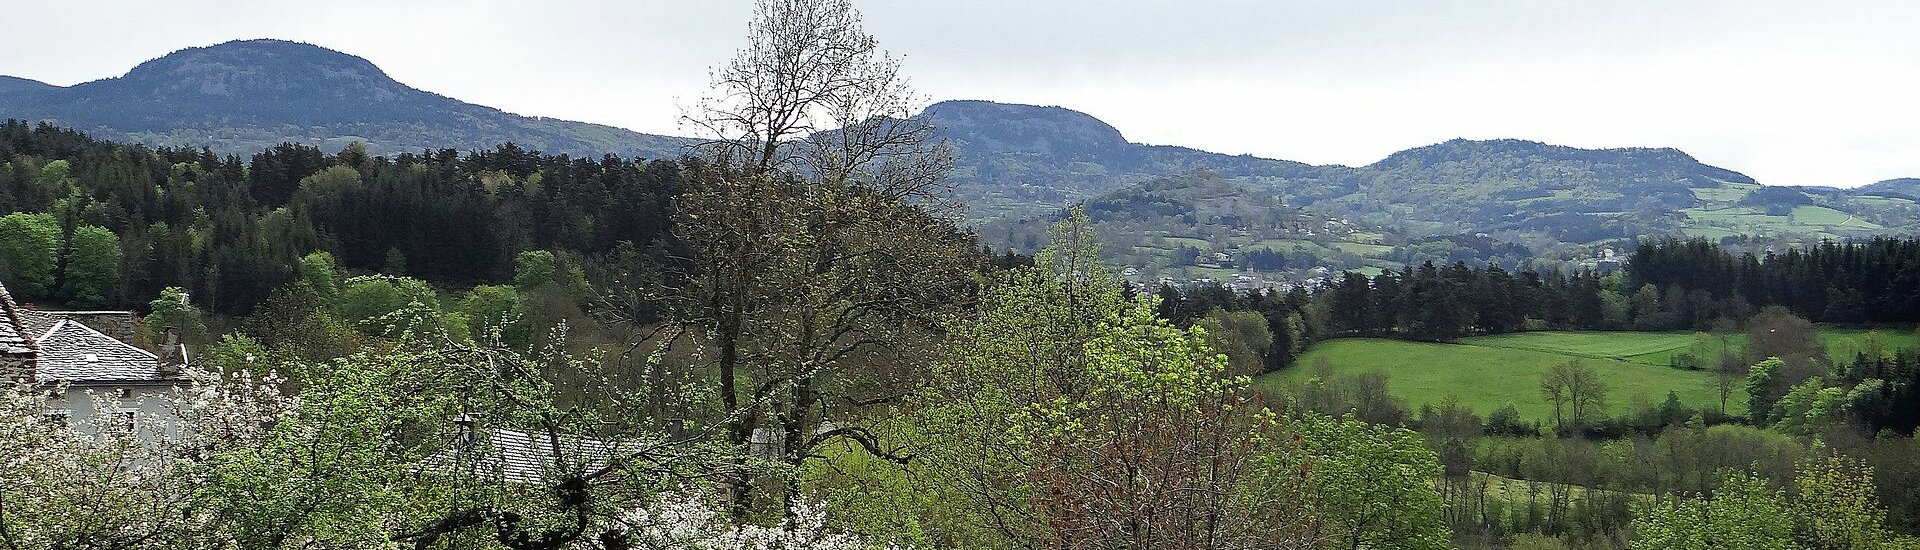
<point>78,355</point>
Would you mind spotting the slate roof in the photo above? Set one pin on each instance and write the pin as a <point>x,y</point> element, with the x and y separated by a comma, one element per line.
<point>14,339</point>
<point>116,324</point>
<point>73,352</point>
<point>36,322</point>
<point>60,346</point>
<point>521,457</point>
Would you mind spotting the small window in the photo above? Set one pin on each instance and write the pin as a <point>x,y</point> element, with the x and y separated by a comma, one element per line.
<point>127,420</point>
<point>123,393</point>
<point>92,358</point>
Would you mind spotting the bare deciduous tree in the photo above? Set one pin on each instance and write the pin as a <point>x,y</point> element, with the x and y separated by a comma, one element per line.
<point>1576,391</point>
<point>812,249</point>
<point>813,93</point>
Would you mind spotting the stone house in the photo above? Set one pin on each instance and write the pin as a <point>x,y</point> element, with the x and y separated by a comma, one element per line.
<point>78,355</point>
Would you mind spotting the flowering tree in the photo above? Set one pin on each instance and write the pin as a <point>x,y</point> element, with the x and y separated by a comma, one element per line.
<point>685,521</point>
<point>107,483</point>
<point>1070,417</point>
<point>377,451</point>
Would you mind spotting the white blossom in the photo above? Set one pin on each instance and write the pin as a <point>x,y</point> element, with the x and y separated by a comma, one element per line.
<point>683,520</point>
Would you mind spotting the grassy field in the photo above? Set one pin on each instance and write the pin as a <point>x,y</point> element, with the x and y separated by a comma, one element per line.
<point>1364,249</point>
<point>1488,372</point>
<point>1485,378</point>
<point>1882,201</point>
<point>1728,194</point>
<point>1817,221</point>
<point>1843,343</point>
<point>1823,216</point>
<point>1176,242</point>
<point>1658,348</point>
<point>1710,233</point>
<point>1282,245</point>
<point>1650,348</point>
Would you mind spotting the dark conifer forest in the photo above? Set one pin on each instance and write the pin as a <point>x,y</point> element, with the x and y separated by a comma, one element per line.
<point>231,229</point>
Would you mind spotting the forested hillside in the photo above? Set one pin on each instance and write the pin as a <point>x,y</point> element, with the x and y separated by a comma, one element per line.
<point>1560,204</point>
<point>1902,187</point>
<point>1015,161</point>
<point>230,229</point>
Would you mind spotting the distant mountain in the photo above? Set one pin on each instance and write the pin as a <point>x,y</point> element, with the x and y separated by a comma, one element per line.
<point>1015,163</point>
<point>1019,162</point>
<point>243,96</point>
<point>1514,186</point>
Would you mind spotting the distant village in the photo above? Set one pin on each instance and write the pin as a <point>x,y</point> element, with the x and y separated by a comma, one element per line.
<point>1601,260</point>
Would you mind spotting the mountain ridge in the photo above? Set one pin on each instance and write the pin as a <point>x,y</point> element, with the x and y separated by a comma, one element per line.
<point>245,95</point>
<point>17,84</point>
<point>1014,162</point>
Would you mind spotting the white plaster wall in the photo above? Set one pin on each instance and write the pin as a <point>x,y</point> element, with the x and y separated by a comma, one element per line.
<point>151,404</point>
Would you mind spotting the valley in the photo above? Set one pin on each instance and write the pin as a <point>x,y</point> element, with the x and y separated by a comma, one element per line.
<point>261,294</point>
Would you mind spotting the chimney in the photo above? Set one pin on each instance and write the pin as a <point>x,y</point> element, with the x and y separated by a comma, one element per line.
<point>173,354</point>
<point>464,441</point>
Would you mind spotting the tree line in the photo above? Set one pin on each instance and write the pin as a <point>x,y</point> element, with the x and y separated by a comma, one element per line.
<point>1666,285</point>
<point>1870,281</point>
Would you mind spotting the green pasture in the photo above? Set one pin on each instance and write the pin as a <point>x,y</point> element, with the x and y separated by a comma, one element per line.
<point>1487,372</point>
<point>1485,378</point>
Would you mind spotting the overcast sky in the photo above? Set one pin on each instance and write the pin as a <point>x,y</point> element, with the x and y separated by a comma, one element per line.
<point>1789,92</point>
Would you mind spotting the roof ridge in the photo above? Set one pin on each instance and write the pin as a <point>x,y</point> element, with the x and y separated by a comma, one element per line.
<point>83,326</point>
<point>50,330</point>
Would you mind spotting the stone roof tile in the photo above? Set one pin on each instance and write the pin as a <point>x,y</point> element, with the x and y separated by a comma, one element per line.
<point>14,338</point>
<point>521,457</point>
<point>73,352</point>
